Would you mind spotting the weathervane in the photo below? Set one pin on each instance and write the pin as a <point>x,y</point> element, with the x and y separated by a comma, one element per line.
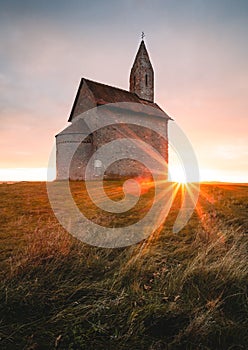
<point>142,35</point>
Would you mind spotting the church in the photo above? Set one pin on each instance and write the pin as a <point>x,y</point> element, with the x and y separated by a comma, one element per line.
<point>77,145</point>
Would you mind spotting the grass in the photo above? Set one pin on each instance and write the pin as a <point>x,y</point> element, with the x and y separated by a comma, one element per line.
<point>173,291</point>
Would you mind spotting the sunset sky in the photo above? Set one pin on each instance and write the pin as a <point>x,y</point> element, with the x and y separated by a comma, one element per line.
<point>198,49</point>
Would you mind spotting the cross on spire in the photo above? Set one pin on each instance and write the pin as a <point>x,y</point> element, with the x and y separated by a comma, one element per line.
<point>142,35</point>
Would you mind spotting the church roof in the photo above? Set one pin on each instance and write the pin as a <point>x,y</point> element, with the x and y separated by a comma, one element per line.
<point>78,127</point>
<point>91,94</point>
<point>142,54</point>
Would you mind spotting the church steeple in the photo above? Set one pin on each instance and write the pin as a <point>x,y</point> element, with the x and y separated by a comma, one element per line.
<point>142,75</point>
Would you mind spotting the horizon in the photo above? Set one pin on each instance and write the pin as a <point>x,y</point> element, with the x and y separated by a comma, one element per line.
<point>44,178</point>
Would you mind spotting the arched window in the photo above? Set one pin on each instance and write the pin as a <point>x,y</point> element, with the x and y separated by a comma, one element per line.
<point>134,80</point>
<point>146,79</point>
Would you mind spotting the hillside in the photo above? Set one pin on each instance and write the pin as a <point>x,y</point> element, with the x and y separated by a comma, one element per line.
<point>173,291</point>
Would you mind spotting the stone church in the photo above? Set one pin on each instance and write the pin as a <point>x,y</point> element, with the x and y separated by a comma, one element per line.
<point>77,144</point>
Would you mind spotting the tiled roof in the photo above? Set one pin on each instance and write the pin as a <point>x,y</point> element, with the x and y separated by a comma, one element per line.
<point>105,94</point>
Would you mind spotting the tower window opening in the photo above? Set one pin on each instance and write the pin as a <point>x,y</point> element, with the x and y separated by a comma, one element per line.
<point>146,79</point>
<point>134,80</point>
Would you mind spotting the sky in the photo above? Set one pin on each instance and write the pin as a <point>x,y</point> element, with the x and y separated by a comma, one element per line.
<point>199,53</point>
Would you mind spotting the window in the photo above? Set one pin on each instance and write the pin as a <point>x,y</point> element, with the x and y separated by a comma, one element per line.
<point>146,79</point>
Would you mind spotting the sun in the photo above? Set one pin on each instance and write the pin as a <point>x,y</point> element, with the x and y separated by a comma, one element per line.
<point>182,182</point>
<point>178,175</point>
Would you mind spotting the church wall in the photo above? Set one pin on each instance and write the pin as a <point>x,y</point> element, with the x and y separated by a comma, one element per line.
<point>68,143</point>
<point>128,167</point>
<point>71,164</point>
<point>85,101</point>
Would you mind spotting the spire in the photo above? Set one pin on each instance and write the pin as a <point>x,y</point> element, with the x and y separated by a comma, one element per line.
<point>142,76</point>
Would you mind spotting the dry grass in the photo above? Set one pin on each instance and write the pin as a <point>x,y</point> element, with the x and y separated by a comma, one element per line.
<point>172,291</point>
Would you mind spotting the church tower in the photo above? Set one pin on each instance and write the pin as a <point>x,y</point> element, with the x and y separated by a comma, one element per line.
<point>142,75</point>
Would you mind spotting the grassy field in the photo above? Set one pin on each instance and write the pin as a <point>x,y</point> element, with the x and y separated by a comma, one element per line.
<point>173,291</point>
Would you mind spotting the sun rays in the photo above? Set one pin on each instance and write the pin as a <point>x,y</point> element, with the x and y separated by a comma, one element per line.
<point>181,199</point>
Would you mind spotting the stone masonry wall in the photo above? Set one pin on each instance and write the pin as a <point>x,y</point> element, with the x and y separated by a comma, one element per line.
<point>68,143</point>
